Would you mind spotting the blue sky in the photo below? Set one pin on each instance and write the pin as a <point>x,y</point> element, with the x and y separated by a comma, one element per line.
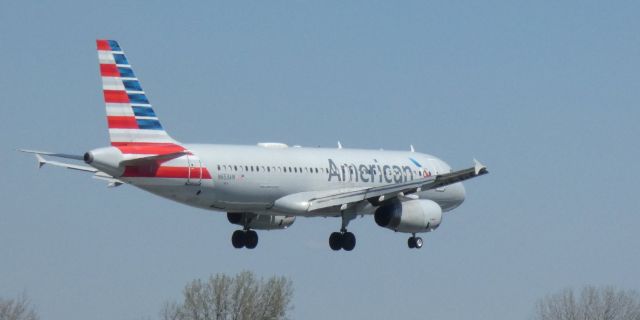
<point>544,92</point>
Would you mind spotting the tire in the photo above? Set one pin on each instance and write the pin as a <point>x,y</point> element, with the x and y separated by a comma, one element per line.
<point>238,239</point>
<point>251,239</point>
<point>419,243</point>
<point>335,241</point>
<point>411,243</point>
<point>348,241</point>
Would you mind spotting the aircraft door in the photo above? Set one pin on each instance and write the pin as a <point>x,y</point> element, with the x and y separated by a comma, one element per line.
<point>194,174</point>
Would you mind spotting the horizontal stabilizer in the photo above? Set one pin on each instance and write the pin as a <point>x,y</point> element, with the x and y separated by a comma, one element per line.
<point>42,161</point>
<point>53,154</point>
<point>97,174</point>
<point>166,156</point>
<point>112,182</point>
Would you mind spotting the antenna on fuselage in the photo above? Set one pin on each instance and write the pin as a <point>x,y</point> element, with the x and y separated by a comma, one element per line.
<point>412,149</point>
<point>339,145</point>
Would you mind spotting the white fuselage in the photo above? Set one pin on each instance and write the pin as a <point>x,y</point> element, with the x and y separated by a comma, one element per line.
<point>251,178</point>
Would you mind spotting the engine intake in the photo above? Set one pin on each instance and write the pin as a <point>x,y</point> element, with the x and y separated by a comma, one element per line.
<point>260,221</point>
<point>410,216</point>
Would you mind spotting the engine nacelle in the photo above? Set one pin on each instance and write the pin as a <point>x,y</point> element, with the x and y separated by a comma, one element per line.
<point>260,221</point>
<point>410,216</point>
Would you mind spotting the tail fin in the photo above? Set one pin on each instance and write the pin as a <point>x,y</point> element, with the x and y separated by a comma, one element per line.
<point>130,117</point>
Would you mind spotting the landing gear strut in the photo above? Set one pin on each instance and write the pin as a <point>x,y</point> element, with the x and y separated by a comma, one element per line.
<point>244,238</point>
<point>414,242</point>
<point>343,239</point>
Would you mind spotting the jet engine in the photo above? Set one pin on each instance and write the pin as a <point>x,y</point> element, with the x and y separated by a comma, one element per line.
<point>410,216</point>
<point>260,221</point>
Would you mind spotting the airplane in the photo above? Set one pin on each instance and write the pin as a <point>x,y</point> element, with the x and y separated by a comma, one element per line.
<point>269,185</point>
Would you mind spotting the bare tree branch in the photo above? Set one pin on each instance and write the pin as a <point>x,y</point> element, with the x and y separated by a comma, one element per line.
<point>242,297</point>
<point>593,303</point>
<point>17,309</point>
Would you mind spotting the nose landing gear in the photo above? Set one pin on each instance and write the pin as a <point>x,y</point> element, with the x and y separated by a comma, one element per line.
<point>414,242</point>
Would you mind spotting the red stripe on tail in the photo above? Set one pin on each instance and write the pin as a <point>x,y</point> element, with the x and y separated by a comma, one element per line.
<point>103,45</point>
<point>116,96</point>
<point>109,70</point>
<point>117,122</point>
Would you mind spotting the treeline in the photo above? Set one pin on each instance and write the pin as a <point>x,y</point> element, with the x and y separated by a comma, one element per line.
<point>245,296</point>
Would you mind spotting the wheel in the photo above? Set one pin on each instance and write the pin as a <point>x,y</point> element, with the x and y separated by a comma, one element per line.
<point>335,241</point>
<point>238,239</point>
<point>418,243</point>
<point>348,241</point>
<point>251,239</point>
<point>411,242</point>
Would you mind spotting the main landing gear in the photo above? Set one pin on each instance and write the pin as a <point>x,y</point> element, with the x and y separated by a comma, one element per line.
<point>244,238</point>
<point>343,239</point>
<point>414,242</point>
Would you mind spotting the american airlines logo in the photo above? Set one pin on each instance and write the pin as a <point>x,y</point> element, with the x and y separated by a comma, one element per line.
<point>375,172</point>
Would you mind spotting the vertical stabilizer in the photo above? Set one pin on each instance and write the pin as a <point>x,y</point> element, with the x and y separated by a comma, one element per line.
<point>131,120</point>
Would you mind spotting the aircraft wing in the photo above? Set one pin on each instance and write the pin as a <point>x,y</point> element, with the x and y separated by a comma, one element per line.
<point>310,201</point>
<point>97,174</point>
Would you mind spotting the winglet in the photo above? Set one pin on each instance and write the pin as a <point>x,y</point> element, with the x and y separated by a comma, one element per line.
<point>41,160</point>
<point>479,167</point>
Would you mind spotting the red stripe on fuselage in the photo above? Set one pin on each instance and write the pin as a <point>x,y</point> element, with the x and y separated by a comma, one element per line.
<point>109,70</point>
<point>164,172</point>
<point>205,174</point>
<point>117,122</point>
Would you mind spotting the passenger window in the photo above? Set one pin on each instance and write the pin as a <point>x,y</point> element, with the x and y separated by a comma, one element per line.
<point>235,168</point>
<point>295,169</point>
<point>268,169</point>
<point>218,167</point>
<point>251,168</point>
